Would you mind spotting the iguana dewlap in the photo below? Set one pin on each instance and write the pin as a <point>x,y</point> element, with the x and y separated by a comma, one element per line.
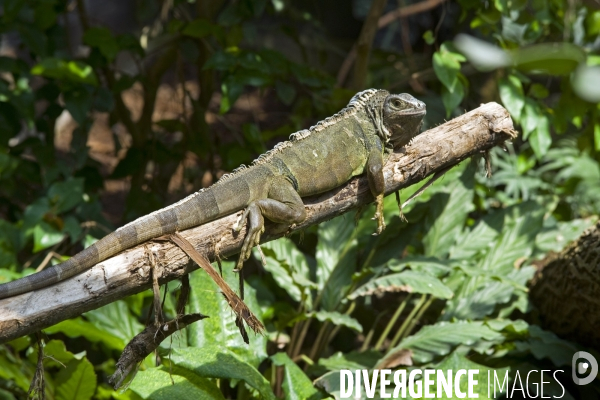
<point>354,141</point>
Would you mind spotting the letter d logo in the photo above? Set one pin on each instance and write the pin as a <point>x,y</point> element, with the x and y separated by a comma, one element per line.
<point>583,367</point>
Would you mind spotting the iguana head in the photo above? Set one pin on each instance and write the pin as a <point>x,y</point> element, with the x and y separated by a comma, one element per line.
<point>402,117</point>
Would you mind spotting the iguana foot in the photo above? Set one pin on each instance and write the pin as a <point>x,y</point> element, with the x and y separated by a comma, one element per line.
<point>379,214</point>
<point>256,226</point>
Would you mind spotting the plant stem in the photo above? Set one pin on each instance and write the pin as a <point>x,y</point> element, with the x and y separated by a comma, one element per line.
<point>316,344</point>
<point>406,322</point>
<point>417,318</point>
<point>392,322</point>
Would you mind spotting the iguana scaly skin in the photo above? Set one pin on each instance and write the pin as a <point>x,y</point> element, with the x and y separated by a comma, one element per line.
<point>358,139</point>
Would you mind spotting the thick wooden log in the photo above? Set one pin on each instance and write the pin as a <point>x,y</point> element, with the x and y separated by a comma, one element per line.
<point>565,290</point>
<point>129,272</point>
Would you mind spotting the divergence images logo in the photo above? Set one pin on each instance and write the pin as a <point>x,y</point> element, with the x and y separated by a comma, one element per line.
<point>583,367</point>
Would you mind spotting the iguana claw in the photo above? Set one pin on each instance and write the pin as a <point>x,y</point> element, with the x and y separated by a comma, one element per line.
<point>256,227</point>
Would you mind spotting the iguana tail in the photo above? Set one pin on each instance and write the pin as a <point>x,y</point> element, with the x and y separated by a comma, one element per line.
<point>199,208</point>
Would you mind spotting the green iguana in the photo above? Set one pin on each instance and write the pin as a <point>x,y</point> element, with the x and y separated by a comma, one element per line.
<point>357,139</point>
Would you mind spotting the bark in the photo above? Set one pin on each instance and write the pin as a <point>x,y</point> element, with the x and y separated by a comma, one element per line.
<point>130,271</point>
<point>565,290</point>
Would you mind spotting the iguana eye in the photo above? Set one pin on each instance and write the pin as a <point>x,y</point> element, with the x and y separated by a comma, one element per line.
<point>397,103</point>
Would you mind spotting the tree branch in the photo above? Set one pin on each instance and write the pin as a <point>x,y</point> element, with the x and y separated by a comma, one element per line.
<point>385,20</point>
<point>129,272</point>
<point>364,43</point>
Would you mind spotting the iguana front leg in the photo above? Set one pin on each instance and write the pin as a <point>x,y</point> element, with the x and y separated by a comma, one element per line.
<point>283,206</point>
<point>377,185</point>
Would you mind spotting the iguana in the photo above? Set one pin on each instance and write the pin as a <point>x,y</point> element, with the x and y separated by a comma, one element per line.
<point>356,140</point>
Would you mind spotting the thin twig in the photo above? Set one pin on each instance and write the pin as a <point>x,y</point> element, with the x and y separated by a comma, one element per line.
<point>383,21</point>
<point>364,43</point>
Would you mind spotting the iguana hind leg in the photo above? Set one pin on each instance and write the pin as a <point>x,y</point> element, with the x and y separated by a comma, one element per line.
<point>283,206</point>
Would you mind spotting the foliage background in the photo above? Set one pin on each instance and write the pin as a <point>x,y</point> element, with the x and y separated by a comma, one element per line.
<point>111,110</point>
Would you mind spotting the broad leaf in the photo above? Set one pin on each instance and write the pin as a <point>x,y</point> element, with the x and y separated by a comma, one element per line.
<point>480,303</point>
<point>448,214</point>
<point>558,236</point>
<point>521,225</point>
<point>352,360</point>
<point>289,267</point>
<point>77,381</point>
<point>511,93</point>
<point>163,384</point>
<point>220,329</point>
<point>439,339</point>
<point>215,361</point>
<point>337,318</point>
<point>296,384</point>
<point>78,327</point>
<point>405,281</point>
<point>116,319</point>
<point>457,362</point>
<point>430,265</point>
<point>336,259</point>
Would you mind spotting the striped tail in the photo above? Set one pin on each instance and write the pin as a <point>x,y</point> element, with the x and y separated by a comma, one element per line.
<point>193,210</point>
<point>225,197</point>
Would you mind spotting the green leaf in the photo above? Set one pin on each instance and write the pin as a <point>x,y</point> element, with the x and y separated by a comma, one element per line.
<point>483,55</point>
<point>220,329</point>
<point>44,16</point>
<point>480,238</point>
<point>350,360</point>
<point>78,327</point>
<point>103,39</point>
<point>540,139</point>
<point>480,303</point>
<point>428,37</point>
<point>457,362</point>
<point>116,319</point>
<point>45,236</point>
<point>78,102</point>
<point>336,259</point>
<point>163,384</point>
<point>543,344</point>
<point>290,268</point>
<point>521,225</point>
<point>446,67</point>
<point>406,281</point>
<point>431,265</point>
<point>441,338</point>
<point>213,361</point>
<point>452,99</point>
<point>337,319</point>
<point>511,94</point>
<point>330,382</point>
<point>538,91</point>
<point>13,371</point>
<point>66,195</point>
<point>69,71</point>
<point>56,354</point>
<point>597,136</point>
<point>549,58</point>
<point>296,384</point>
<point>531,117</point>
<point>447,215</point>
<point>77,381</point>
<point>558,236</point>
